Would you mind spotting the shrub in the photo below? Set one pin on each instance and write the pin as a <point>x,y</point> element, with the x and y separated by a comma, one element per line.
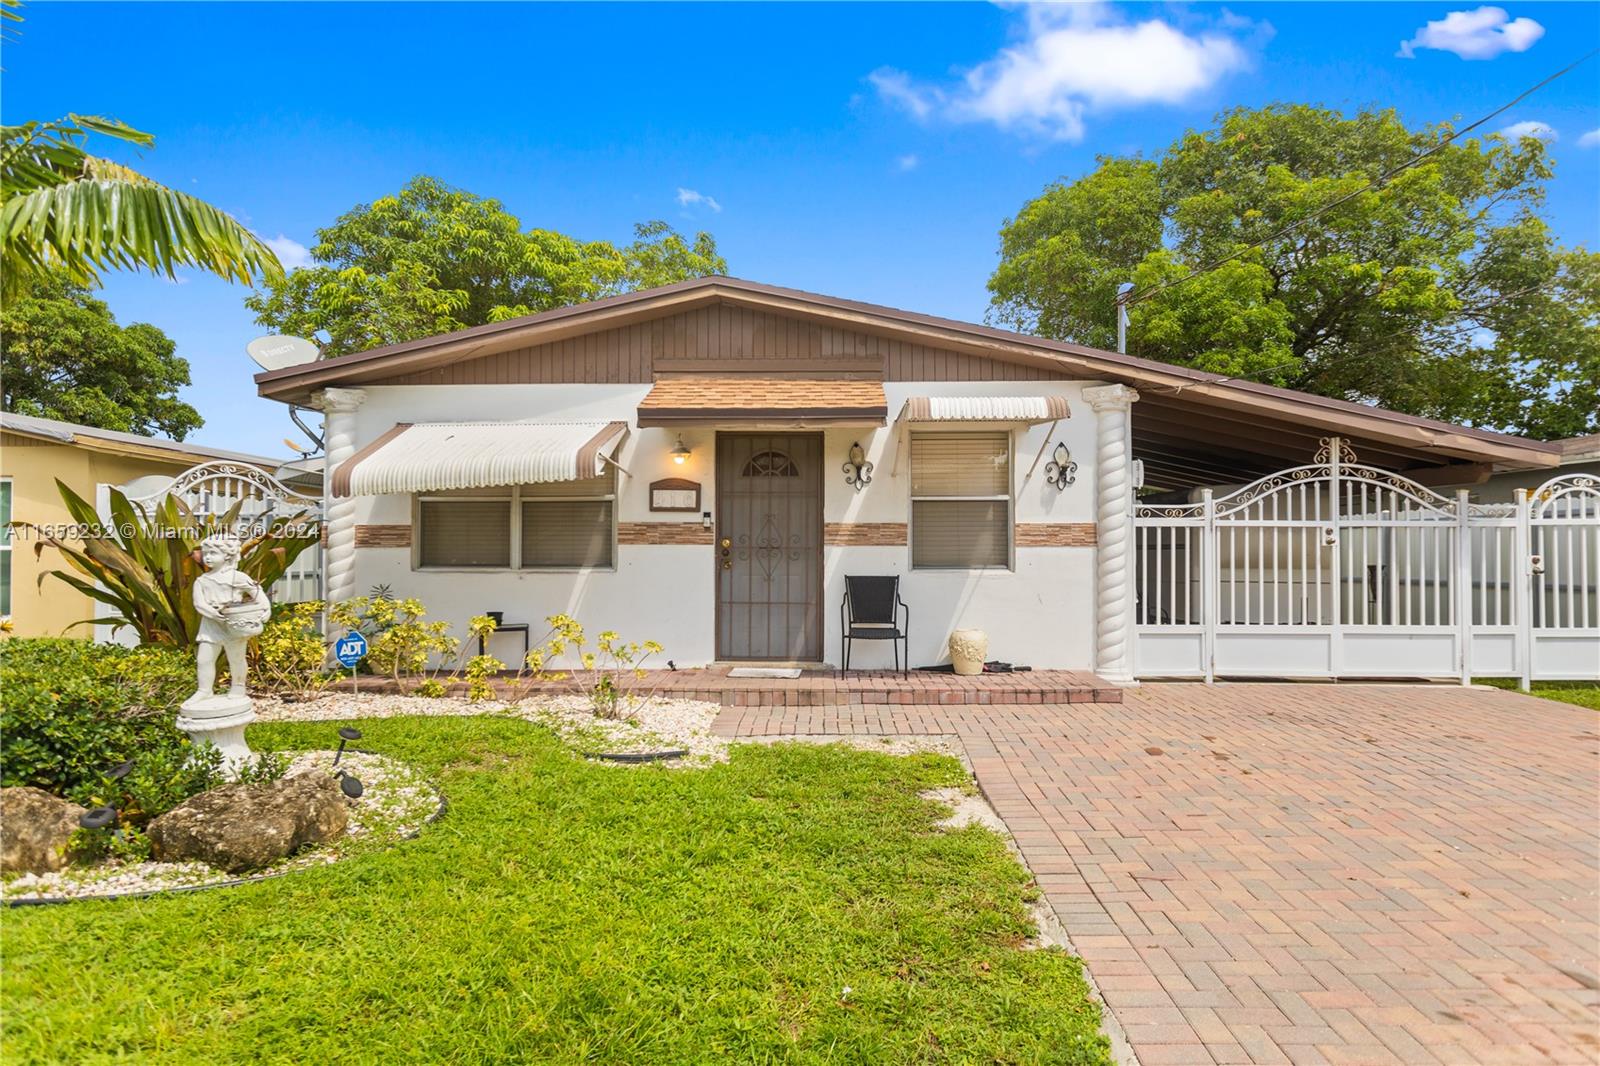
<point>70,709</point>
<point>600,672</point>
<point>288,656</point>
<point>400,643</point>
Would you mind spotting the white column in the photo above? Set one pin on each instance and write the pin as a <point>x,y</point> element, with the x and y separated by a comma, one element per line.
<point>1114,594</point>
<point>338,512</point>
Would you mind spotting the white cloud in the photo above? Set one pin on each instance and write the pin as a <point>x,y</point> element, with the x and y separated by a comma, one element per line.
<point>1538,130</point>
<point>1590,139</point>
<point>290,252</point>
<point>690,197</point>
<point>907,162</point>
<point>1071,60</point>
<point>1480,34</point>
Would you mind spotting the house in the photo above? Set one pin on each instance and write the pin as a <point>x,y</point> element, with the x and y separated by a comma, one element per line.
<point>34,454</point>
<point>703,463</point>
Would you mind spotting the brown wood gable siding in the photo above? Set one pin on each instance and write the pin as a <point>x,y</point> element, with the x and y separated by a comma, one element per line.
<point>723,340</point>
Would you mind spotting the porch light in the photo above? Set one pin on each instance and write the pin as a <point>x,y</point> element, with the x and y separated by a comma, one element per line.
<point>681,453</point>
<point>1061,471</point>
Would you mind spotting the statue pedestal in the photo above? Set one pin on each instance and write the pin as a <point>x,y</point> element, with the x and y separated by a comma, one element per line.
<point>220,721</point>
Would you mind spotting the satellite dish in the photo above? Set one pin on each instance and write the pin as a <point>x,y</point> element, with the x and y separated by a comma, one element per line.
<point>278,353</point>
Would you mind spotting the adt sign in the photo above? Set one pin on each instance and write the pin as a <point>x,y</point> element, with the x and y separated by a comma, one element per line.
<point>350,649</point>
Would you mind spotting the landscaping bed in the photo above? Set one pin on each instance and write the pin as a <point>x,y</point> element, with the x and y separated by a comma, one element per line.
<point>795,901</point>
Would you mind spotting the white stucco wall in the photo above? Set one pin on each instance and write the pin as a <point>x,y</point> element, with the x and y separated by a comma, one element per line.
<point>1040,614</point>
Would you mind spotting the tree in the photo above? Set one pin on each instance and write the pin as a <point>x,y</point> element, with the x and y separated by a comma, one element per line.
<point>1439,292</point>
<point>433,258</point>
<point>70,212</point>
<point>65,357</point>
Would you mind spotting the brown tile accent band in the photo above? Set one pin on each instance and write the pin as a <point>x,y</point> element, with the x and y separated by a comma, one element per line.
<point>1055,535</point>
<point>865,534</point>
<point>664,533</point>
<point>383,536</point>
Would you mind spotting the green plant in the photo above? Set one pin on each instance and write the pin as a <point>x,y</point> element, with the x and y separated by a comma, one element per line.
<point>144,566</point>
<point>70,710</point>
<point>289,655</point>
<point>432,687</point>
<point>100,845</point>
<point>66,210</point>
<point>160,778</point>
<point>400,643</point>
<point>600,670</point>
<point>266,767</point>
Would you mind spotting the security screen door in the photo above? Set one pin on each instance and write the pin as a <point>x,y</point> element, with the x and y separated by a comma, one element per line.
<point>769,546</point>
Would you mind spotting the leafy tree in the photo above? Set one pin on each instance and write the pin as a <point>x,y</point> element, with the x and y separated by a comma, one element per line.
<point>68,211</point>
<point>64,356</point>
<point>1440,292</point>
<point>433,258</point>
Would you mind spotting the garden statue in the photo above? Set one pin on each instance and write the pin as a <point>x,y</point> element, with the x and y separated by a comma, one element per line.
<point>232,608</point>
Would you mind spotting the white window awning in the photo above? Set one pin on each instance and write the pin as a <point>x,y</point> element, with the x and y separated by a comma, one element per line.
<point>1027,409</point>
<point>439,456</point>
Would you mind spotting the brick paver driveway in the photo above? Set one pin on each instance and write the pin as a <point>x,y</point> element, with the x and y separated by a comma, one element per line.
<point>1305,874</point>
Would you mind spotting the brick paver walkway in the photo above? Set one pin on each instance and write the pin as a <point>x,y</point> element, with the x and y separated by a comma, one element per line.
<point>1304,874</point>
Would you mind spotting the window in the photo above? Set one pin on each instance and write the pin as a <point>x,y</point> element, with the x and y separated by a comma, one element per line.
<point>960,500</point>
<point>770,464</point>
<point>5,547</point>
<point>563,525</point>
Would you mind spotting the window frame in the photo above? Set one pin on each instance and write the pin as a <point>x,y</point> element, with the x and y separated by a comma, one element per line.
<point>516,500</point>
<point>1010,498</point>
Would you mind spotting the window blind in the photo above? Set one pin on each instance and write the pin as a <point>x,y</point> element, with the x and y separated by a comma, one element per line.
<point>465,533</point>
<point>566,533</point>
<point>961,500</point>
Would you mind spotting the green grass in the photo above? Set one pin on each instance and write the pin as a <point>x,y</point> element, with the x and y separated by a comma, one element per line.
<point>1582,693</point>
<point>570,912</point>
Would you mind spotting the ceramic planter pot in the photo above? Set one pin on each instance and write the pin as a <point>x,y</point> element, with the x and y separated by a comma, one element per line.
<point>969,648</point>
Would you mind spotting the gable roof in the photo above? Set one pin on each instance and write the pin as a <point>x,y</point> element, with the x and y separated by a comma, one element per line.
<point>133,444</point>
<point>1199,389</point>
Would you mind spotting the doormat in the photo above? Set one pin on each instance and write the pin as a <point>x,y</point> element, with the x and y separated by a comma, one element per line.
<point>763,671</point>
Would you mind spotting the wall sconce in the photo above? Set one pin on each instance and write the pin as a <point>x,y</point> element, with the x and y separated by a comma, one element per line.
<point>681,453</point>
<point>857,471</point>
<point>1061,470</point>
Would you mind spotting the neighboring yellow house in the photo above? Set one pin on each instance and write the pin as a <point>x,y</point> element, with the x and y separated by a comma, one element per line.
<point>34,453</point>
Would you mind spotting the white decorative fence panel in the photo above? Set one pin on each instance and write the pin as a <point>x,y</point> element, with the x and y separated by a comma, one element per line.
<point>1336,569</point>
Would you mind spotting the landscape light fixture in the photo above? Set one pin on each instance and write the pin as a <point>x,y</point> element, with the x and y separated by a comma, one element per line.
<point>681,453</point>
<point>121,770</point>
<point>350,786</point>
<point>346,735</point>
<point>98,818</point>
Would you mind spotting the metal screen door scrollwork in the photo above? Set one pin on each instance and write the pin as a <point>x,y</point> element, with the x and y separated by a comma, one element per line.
<point>769,545</point>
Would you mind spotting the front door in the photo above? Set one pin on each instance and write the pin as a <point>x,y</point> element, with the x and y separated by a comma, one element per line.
<point>769,546</point>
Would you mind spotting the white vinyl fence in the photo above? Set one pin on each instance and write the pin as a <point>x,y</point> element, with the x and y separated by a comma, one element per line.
<point>1336,569</point>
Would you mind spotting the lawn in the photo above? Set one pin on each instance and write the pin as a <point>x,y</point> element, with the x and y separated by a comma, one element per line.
<point>563,911</point>
<point>1582,693</point>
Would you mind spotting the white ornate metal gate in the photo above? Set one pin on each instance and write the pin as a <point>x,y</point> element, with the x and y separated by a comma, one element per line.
<point>214,487</point>
<point>1336,569</point>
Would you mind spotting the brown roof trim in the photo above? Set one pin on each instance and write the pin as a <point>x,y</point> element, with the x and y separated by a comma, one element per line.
<point>1093,363</point>
<point>340,485</point>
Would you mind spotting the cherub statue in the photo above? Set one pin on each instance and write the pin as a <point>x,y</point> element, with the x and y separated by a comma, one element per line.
<point>232,609</point>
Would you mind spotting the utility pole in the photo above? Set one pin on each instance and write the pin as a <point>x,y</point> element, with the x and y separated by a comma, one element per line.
<point>1123,292</point>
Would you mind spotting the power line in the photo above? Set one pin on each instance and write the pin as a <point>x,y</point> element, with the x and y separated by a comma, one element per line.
<point>1381,179</point>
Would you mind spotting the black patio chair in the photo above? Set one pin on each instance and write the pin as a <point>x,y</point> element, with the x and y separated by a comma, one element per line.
<point>872,610</point>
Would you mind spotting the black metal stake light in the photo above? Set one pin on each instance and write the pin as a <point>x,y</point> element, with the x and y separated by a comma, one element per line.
<point>98,818</point>
<point>346,735</point>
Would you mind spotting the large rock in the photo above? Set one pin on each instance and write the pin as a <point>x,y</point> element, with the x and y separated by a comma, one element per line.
<point>34,829</point>
<point>244,827</point>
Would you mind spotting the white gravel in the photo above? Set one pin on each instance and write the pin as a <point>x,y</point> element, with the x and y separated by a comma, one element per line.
<point>396,802</point>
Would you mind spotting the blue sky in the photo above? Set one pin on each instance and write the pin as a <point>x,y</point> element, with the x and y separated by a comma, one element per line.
<point>866,151</point>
